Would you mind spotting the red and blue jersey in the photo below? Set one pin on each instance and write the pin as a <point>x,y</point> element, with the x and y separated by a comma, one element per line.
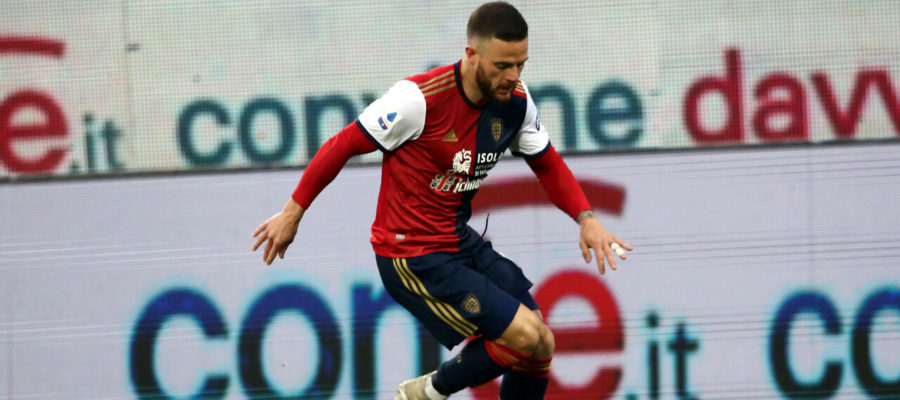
<point>438,148</point>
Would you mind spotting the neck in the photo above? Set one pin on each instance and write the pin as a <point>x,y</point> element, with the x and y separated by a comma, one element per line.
<point>469,82</point>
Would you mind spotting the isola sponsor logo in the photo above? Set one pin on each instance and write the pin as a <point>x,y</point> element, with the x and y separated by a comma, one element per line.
<point>452,181</point>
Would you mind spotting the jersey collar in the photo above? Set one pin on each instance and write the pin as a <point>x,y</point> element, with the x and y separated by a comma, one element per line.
<point>459,86</point>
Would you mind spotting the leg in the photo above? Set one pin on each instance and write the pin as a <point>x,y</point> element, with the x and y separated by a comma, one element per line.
<point>525,332</point>
<point>529,379</point>
<point>453,301</point>
<point>482,360</point>
<point>510,336</point>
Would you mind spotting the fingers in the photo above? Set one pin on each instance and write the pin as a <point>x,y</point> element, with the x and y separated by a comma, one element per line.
<point>268,254</point>
<point>610,257</point>
<point>619,250</point>
<point>600,263</point>
<point>623,244</point>
<point>271,256</point>
<point>603,258</point>
<point>585,251</point>
<point>259,240</point>
<point>260,228</point>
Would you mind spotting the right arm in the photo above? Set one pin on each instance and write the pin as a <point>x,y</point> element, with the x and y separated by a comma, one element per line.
<point>387,123</point>
<point>278,232</point>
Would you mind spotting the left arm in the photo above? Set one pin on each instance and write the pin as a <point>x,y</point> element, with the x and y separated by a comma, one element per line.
<point>564,191</point>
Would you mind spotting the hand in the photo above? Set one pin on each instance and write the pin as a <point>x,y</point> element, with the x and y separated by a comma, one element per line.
<point>595,236</point>
<point>278,231</point>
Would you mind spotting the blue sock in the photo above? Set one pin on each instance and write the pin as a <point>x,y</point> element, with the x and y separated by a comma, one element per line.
<point>472,367</point>
<point>516,386</point>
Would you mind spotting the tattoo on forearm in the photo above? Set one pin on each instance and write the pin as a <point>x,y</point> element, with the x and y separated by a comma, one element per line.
<point>585,214</point>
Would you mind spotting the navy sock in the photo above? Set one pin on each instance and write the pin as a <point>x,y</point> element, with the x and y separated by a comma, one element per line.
<point>472,367</point>
<point>516,386</point>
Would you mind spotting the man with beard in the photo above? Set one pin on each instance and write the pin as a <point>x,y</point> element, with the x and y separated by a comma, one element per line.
<point>441,132</point>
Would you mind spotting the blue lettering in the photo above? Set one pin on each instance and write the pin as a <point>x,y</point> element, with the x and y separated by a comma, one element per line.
<point>289,297</point>
<point>315,107</point>
<point>185,132</point>
<point>287,131</point>
<point>599,115</point>
<point>559,93</point>
<point>800,303</point>
<point>367,309</point>
<point>876,387</point>
<point>172,303</point>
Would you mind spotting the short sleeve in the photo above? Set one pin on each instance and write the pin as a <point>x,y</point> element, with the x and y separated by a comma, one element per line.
<point>532,139</point>
<point>396,117</point>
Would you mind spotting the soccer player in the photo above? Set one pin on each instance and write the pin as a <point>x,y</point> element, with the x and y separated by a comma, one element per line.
<point>441,132</point>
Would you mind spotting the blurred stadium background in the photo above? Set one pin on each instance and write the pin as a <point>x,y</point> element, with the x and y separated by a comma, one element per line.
<point>747,149</point>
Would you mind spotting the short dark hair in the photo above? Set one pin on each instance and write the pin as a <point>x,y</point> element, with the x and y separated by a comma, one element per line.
<point>499,20</point>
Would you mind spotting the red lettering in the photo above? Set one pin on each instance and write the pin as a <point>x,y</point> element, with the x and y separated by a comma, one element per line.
<point>32,45</point>
<point>606,336</point>
<point>53,126</point>
<point>516,192</point>
<point>730,88</point>
<point>794,106</point>
<point>844,122</point>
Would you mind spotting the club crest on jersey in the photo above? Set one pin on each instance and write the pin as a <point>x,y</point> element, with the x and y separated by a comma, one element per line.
<point>496,128</point>
<point>462,162</point>
<point>388,119</point>
<point>471,304</point>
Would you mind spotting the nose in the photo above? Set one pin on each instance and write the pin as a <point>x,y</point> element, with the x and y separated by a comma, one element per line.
<point>513,75</point>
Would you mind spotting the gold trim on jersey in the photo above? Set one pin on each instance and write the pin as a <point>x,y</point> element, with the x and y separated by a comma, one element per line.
<point>519,87</point>
<point>436,84</point>
<point>439,90</point>
<point>443,310</point>
<point>437,78</point>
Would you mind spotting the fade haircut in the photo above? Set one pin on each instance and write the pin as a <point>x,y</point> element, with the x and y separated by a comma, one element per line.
<point>499,20</point>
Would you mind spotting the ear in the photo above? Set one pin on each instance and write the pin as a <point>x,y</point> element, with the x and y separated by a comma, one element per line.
<point>471,55</point>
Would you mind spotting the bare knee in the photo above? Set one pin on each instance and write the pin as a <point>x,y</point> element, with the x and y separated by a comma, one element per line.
<point>546,346</point>
<point>526,333</point>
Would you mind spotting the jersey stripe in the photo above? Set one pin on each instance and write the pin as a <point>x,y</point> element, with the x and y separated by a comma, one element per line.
<point>436,84</point>
<point>440,308</point>
<point>519,88</point>
<point>437,78</point>
<point>450,309</point>
<point>435,306</point>
<point>440,89</point>
<point>414,288</point>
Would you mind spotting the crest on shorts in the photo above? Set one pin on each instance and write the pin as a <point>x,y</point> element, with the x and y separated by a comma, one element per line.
<point>496,128</point>
<point>471,304</point>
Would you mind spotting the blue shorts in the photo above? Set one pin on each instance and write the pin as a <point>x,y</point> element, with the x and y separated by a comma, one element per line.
<point>458,294</point>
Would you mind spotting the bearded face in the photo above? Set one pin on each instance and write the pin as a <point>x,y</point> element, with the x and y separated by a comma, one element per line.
<point>491,91</point>
<point>499,65</point>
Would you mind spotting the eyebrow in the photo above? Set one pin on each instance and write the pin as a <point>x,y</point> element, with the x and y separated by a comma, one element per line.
<point>510,63</point>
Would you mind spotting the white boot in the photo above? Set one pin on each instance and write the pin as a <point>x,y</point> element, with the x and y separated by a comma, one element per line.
<point>418,389</point>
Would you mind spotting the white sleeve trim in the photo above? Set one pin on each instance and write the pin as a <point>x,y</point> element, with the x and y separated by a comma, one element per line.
<point>532,138</point>
<point>395,118</point>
